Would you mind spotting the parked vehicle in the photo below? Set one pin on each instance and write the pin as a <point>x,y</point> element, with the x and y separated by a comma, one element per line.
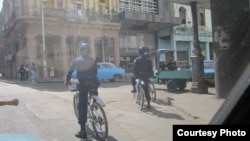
<point>209,71</point>
<point>109,71</point>
<point>174,79</point>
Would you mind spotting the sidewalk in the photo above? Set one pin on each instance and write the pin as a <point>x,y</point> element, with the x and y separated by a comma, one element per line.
<point>201,107</point>
<point>16,81</point>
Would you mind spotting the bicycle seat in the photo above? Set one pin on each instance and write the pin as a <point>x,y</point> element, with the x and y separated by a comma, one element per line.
<point>139,81</point>
<point>74,81</point>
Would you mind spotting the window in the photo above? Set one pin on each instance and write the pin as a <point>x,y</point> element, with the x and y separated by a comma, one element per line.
<point>202,19</point>
<point>102,1</point>
<point>60,4</point>
<point>182,14</point>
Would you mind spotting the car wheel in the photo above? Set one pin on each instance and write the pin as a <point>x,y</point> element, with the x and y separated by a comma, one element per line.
<point>181,84</point>
<point>117,78</point>
<point>172,85</point>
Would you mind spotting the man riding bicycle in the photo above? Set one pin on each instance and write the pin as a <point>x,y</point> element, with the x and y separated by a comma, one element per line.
<point>143,69</point>
<point>146,54</point>
<point>86,73</point>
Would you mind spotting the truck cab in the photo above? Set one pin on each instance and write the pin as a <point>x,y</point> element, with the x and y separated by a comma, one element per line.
<point>175,79</point>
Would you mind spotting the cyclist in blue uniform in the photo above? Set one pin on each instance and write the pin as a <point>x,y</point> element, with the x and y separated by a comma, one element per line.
<point>86,73</point>
<point>142,69</point>
<point>146,54</point>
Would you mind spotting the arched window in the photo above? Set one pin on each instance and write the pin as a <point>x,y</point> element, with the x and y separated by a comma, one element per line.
<point>182,14</point>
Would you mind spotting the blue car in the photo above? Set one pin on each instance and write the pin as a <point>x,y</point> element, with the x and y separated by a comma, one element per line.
<point>209,71</point>
<point>109,71</point>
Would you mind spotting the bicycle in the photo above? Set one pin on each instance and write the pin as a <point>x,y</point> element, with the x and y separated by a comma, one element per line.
<point>139,94</point>
<point>95,114</point>
<point>152,90</point>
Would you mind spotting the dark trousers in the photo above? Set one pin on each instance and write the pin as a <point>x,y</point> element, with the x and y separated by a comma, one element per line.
<point>22,76</point>
<point>83,103</point>
<point>133,83</point>
<point>27,75</point>
<point>146,89</point>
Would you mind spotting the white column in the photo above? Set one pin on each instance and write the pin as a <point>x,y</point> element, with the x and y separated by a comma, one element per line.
<point>207,51</point>
<point>116,50</point>
<point>191,52</point>
<point>65,56</point>
<point>175,50</point>
<point>92,46</point>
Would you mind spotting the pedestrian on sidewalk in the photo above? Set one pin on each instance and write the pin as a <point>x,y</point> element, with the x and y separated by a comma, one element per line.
<point>33,72</point>
<point>22,73</point>
<point>27,70</point>
<point>52,73</point>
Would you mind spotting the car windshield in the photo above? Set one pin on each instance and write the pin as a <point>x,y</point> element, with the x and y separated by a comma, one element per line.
<point>108,65</point>
<point>111,65</point>
<point>197,58</point>
<point>209,65</point>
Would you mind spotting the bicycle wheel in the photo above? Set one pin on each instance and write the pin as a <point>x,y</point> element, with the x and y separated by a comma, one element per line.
<point>75,104</point>
<point>152,91</point>
<point>99,123</point>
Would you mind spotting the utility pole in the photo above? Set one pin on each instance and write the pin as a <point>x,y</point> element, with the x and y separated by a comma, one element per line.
<point>199,84</point>
<point>44,62</point>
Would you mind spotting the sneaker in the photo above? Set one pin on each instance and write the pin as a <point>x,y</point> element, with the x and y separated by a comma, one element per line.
<point>133,91</point>
<point>81,134</point>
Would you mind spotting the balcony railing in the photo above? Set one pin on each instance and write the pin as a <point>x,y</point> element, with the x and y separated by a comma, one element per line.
<point>67,15</point>
<point>189,28</point>
<point>60,13</point>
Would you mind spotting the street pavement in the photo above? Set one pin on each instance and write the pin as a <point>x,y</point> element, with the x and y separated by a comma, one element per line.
<point>199,108</point>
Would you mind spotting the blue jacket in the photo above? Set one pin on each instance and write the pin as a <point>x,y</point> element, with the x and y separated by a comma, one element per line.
<point>86,69</point>
<point>143,67</point>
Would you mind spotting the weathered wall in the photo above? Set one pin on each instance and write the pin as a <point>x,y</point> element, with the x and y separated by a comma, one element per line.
<point>230,20</point>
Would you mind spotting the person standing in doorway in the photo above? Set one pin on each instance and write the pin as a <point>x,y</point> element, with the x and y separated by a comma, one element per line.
<point>22,73</point>
<point>33,72</point>
<point>52,73</point>
<point>27,70</point>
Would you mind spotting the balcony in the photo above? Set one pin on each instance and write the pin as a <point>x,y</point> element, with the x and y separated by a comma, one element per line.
<point>147,16</point>
<point>62,14</point>
<point>185,32</point>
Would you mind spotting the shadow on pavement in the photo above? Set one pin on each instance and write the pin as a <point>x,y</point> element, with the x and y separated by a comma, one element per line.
<point>91,136</point>
<point>160,114</point>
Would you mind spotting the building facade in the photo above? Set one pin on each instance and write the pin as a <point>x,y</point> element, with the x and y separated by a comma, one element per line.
<point>180,37</point>
<point>113,28</point>
<point>141,20</point>
<point>67,23</point>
